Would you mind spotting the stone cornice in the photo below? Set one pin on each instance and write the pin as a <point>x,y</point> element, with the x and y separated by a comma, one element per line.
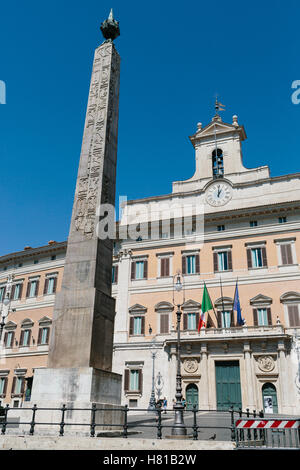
<point>32,252</point>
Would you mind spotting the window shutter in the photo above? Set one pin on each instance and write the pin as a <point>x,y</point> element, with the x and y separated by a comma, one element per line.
<point>143,326</point>
<point>216,266</point>
<point>12,339</point>
<point>131,325</point>
<point>264,256</point>
<point>37,288</point>
<point>145,269</point>
<point>289,254</point>
<point>28,289</point>
<point>21,338</point>
<point>162,267</point>
<point>286,254</point>
<point>183,265</point>
<point>5,385</point>
<point>13,385</point>
<point>197,320</point>
<point>197,259</point>
<point>20,291</point>
<point>13,291</point>
<point>46,285</point>
<point>40,335</point>
<point>126,380</point>
<point>116,274</point>
<point>167,266</point>
<point>231,319</point>
<point>185,321</point>
<point>293,314</point>
<point>219,319</point>
<point>283,254</point>
<point>249,258</point>
<point>29,338</point>
<point>164,323</point>
<point>5,338</point>
<point>255,319</point>
<point>23,385</point>
<point>140,381</point>
<point>229,259</point>
<point>269,316</point>
<point>132,270</point>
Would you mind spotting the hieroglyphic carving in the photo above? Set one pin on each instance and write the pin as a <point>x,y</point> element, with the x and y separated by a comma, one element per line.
<point>101,110</point>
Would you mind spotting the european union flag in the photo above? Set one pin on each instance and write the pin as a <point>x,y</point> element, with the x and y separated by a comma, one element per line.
<point>237,306</point>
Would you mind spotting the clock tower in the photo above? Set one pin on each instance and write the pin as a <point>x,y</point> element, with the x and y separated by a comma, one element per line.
<point>219,161</point>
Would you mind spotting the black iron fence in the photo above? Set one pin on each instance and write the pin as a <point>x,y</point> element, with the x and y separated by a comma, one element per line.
<point>203,424</point>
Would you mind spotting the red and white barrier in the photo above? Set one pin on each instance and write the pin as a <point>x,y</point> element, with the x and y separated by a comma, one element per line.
<point>267,423</point>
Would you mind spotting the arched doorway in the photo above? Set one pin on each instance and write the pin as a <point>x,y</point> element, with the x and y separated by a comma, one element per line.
<point>191,396</point>
<point>269,394</point>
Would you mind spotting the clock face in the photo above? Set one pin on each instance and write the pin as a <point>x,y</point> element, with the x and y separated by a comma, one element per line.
<point>219,194</point>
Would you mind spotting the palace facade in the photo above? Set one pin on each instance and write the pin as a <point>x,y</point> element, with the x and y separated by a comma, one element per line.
<point>242,226</point>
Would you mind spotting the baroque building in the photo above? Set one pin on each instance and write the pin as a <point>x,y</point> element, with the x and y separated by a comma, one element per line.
<point>240,225</point>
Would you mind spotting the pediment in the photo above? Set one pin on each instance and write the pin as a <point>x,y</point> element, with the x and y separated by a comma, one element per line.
<point>261,299</point>
<point>226,301</point>
<point>138,308</point>
<point>27,322</point>
<point>218,127</point>
<point>10,325</point>
<point>191,304</point>
<point>163,306</point>
<point>290,297</point>
<point>45,320</point>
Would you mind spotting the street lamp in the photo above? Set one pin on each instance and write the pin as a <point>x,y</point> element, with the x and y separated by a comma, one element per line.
<point>179,428</point>
<point>4,313</point>
<point>152,401</point>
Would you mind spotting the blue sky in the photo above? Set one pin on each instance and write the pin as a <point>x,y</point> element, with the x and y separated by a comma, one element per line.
<point>175,57</point>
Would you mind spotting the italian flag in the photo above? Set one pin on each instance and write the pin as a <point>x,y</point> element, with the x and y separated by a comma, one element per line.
<point>205,306</point>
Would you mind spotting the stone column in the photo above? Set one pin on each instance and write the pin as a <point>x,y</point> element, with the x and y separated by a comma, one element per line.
<point>203,388</point>
<point>283,379</point>
<point>122,304</point>
<point>249,377</point>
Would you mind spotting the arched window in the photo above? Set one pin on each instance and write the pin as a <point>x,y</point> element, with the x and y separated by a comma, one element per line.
<point>217,163</point>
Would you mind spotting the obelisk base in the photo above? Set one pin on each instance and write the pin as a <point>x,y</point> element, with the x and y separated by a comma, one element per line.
<point>75,388</point>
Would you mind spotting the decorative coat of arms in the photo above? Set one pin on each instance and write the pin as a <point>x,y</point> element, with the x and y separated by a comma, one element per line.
<point>190,365</point>
<point>266,363</point>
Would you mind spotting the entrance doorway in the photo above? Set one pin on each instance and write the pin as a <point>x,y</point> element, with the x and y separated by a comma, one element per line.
<point>228,385</point>
<point>191,396</point>
<point>270,403</point>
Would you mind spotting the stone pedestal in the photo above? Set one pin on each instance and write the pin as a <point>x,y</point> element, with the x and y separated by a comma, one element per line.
<point>78,389</point>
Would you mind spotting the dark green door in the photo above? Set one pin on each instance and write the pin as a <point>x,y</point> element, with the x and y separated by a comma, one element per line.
<point>270,398</point>
<point>191,396</point>
<point>228,385</point>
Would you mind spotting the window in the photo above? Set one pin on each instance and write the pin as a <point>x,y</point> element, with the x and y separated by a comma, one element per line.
<point>293,315</point>
<point>253,223</point>
<point>262,316</point>
<point>50,284</point>
<point>25,338</point>
<point>43,337</point>
<point>53,257</point>
<point>3,386</point>
<point>226,319</point>
<point>133,403</point>
<point>164,267</point>
<point>257,257</point>
<point>9,339</point>
<point>133,380</point>
<point>36,261</point>
<point>164,323</point>
<point>18,386</point>
<point>190,264</point>
<point>2,292</point>
<point>286,253</point>
<point>114,276</point>
<point>281,220</point>
<point>220,228</point>
<point>16,292</point>
<point>217,163</point>
<point>137,325</point>
<point>190,320</point>
<point>222,260</point>
<point>32,288</point>
<point>139,269</point>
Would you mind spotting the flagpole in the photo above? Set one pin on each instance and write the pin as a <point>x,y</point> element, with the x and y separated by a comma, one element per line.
<point>211,303</point>
<point>222,295</point>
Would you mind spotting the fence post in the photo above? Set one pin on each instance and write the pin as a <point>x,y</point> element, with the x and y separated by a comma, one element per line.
<point>195,427</point>
<point>262,432</point>
<point>232,423</point>
<point>5,419</point>
<point>32,424</point>
<point>159,435</point>
<point>62,423</point>
<point>241,431</point>
<point>255,430</point>
<point>93,420</point>
<point>248,430</point>
<point>125,426</point>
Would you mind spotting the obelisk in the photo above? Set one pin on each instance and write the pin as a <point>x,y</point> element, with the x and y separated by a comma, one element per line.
<point>80,352</point>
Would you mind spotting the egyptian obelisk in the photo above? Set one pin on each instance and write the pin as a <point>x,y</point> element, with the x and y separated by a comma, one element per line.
<point>80,352</point>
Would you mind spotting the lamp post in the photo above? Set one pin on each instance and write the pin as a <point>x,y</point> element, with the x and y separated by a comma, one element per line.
<point>152,401</point>
<point>5,304</point>
<point>179,428</point>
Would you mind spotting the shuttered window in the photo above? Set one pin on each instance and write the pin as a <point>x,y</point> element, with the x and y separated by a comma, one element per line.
<point>50,285</point>
<point>139,269</point>
<point>32,288</point>
<point>16,291</point>
<point>25,337</point>
<point>190,320</point>
<point>3,386</point>
<point>257,257</point>
<point>190,264</point>
<point>115,270</point>
<point>9,339</point>
<point>262,316</point>
<point>286,253</point>
<point>293,314</point>
<point>2,292</point>
<point>164,267</point>
<point>137,325</point>
<point>43,337</point>
<point>164,323</point>
<point>133,380</point>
